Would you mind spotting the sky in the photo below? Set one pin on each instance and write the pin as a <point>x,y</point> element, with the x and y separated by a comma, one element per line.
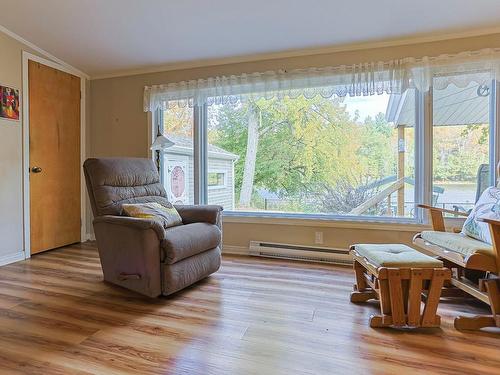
<point>366,105</point>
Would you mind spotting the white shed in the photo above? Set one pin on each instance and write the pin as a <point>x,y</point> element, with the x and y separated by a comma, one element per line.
<point>179,171</point>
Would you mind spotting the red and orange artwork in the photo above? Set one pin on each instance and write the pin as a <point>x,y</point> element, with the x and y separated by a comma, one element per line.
<point>9,103</point>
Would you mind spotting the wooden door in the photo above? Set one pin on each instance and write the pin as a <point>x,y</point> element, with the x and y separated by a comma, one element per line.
<point>54,141</point>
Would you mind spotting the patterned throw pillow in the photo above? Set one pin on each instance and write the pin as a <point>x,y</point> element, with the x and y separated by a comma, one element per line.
<point>168,216</point>
<point>487,207</point>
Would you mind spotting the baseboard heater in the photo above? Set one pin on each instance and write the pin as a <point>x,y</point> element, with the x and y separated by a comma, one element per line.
<point>300,252</point>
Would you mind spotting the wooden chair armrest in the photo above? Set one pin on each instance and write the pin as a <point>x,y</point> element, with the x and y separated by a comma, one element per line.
<point>495,236</point>
<point>437,218</point>
<point>443,210</point>
<point>489,221</point>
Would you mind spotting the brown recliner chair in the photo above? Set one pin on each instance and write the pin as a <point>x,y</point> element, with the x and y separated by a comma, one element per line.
<point>139,254</point>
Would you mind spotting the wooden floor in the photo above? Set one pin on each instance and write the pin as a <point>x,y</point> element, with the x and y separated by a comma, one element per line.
<point>254,316</point>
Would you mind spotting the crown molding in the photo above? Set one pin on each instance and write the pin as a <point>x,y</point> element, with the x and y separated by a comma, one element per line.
<point>296,53</point>
<point>42,52</point>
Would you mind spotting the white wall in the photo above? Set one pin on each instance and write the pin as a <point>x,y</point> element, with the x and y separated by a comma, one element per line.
<point>11,156</point>
<point>222,196</point>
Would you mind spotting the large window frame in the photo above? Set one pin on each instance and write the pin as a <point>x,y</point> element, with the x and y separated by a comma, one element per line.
<point>423,161</point>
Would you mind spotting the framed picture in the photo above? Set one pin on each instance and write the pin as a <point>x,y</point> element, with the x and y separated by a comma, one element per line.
<point>9,103</point>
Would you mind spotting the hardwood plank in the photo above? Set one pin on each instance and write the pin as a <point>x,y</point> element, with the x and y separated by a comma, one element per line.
<point>254,316</point>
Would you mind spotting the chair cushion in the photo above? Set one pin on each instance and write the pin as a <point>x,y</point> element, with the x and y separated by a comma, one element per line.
<point>487,207</point>
<point>112,182</point>
<point>396,255</point>
<point>457,242</point>
<point>187,240</point>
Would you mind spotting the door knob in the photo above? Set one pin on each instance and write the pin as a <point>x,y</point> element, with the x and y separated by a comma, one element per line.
<point>36,169</point>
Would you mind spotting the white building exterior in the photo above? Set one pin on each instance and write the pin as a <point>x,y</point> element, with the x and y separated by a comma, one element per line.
<point>178,177</point>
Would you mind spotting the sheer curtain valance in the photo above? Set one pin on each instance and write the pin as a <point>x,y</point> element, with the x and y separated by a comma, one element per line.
<point>392,77</point>
<point>355,80</point>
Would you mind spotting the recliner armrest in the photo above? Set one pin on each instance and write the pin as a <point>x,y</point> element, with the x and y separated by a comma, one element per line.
<point>131,252</point>
<point>200,214</point>
<point>134,222</point>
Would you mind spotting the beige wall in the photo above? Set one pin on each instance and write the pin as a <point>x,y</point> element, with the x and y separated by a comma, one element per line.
<point>119,127</point>
<point>336,235</point>
<point>11,154</point>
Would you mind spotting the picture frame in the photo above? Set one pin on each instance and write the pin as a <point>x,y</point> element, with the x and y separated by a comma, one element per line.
<point>10,103</point>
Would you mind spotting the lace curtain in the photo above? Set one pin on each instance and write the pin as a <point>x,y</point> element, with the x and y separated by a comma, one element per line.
<point>391,77</point>
<point>480,67</point>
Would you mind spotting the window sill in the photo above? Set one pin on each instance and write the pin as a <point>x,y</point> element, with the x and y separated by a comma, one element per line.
<point>373,223</point>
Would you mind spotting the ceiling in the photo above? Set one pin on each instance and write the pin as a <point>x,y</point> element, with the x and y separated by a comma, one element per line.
<point>103,37</point>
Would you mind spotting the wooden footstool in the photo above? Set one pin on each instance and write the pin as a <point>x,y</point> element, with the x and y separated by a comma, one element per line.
<point>399,276</point>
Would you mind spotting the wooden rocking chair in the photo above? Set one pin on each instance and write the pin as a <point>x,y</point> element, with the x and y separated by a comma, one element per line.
<point>475,265</point>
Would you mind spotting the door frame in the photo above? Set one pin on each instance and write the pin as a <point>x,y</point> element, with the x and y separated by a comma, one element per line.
<point>26,149</point>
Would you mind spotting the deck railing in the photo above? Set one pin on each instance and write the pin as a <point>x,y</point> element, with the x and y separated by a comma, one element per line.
<point>276,205</point>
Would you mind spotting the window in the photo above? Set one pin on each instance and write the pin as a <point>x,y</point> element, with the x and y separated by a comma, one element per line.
<point>366,141</point>
<point>177,161</point>
<point>216,180</point>
<point>461,150</point>
<point>335,156</point>
<point>351,156</point>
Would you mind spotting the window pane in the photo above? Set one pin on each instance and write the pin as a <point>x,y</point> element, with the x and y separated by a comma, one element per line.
<point>460,144</point>
<point>216,179</point>
<point>341,156</point>
<point>178,166</point>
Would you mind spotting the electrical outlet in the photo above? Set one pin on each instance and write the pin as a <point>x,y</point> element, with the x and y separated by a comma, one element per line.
<point>318,238</point>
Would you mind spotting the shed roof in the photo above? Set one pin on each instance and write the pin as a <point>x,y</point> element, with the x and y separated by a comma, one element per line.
<point>186,144</point>
<point>452,106</point>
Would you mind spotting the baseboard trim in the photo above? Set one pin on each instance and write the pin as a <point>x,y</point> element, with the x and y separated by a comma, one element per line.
<point>11,258</point>
<point>235,250</point>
